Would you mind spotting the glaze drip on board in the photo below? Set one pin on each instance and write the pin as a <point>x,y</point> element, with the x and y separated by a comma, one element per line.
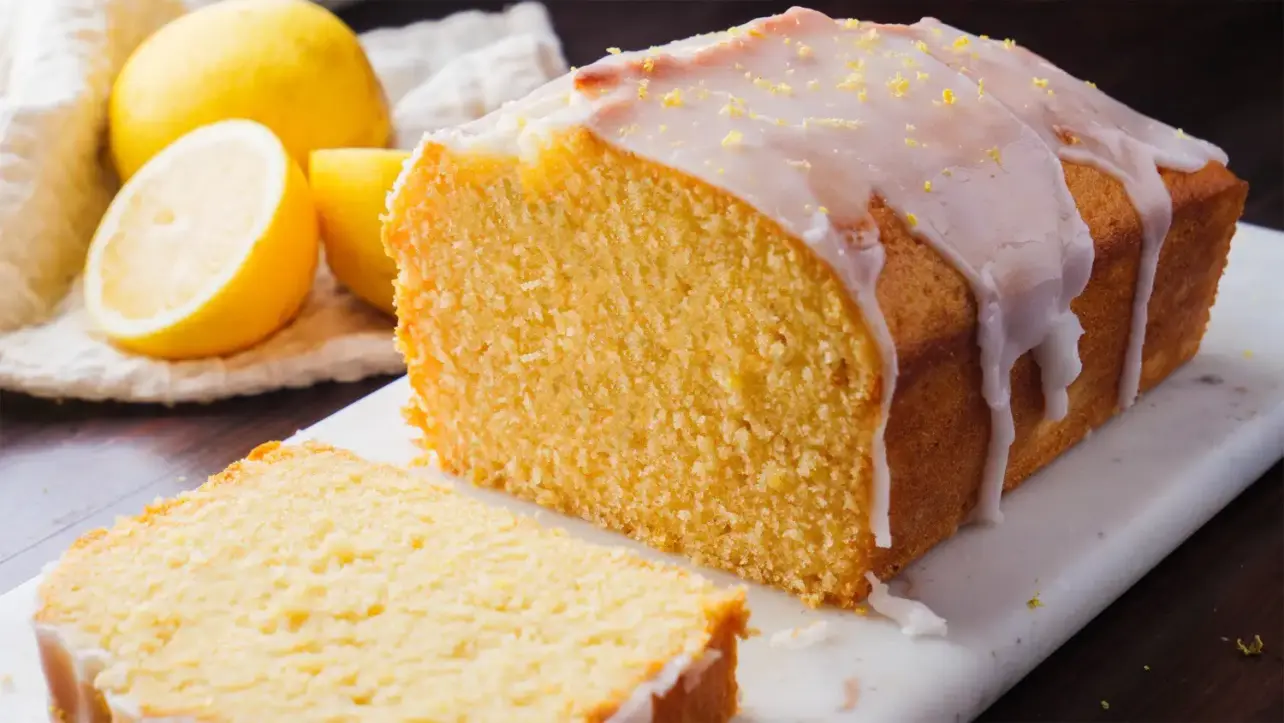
<point>808,119</point>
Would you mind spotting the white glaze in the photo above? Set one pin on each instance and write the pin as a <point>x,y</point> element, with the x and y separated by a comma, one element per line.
<point>914,617</point>
<point>1102,133</point>
<point>87,663</point>
<point>805,118</point>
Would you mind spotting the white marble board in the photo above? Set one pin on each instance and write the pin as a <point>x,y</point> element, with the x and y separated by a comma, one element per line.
<point>1078,534</point>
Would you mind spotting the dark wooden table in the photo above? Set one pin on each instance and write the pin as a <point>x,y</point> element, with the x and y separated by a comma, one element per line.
<point>1165,651</point>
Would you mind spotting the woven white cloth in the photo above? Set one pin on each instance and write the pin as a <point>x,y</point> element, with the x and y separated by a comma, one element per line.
<point>57,61</point>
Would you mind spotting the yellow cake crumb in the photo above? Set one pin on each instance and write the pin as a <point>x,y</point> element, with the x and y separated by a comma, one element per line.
<point>700,440</point>
<point>313,586</point>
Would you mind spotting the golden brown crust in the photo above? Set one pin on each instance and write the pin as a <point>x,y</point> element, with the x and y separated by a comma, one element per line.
<point>712,697</point>
<point>938,404</point>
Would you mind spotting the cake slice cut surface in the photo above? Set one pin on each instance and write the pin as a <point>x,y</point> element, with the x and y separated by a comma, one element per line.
<point>304,584</point>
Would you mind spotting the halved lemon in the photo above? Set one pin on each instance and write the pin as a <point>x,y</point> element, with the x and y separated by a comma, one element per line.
<point>207,250</point>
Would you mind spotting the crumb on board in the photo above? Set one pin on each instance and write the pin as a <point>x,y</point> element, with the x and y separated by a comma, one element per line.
<point>6,683</point>
<point>1034,602</point>
<point>1253,648</point>
<point>1248,353</point>
<point>1145,667</point>
<point>851,693</point>
<point>1105,705</point>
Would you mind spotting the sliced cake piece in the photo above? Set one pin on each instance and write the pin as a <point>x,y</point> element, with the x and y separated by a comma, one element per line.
<point>305,584</point>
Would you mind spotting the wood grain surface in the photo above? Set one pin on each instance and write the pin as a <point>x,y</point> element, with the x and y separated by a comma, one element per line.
<point>1165,651</point>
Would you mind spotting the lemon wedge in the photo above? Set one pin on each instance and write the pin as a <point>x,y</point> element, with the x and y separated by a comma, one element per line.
<point>210,248</point>
<point>351,186</point>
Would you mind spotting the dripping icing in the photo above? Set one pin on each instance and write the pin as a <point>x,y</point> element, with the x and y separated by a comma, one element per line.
<point>1083,125</point>
<point>914,617</point>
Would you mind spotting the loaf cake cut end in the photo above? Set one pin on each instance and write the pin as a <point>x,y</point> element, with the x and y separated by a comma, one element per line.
<point>725,296</point>
<point>305,584</point>
<point>607,338</point>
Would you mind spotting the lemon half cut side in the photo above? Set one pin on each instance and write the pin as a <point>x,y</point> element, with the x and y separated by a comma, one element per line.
<point>210,248</point>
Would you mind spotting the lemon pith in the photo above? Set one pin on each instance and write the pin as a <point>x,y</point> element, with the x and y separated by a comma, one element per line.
<point>208,249</point>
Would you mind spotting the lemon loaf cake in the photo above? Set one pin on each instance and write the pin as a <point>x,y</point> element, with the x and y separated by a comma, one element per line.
<point>799,298</point>
<point>305,584</point>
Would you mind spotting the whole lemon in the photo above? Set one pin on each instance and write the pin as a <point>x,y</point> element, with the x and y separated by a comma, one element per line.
<point>291,65</point>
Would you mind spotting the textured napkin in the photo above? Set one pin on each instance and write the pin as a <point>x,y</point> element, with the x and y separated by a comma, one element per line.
<point>57,61</point>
